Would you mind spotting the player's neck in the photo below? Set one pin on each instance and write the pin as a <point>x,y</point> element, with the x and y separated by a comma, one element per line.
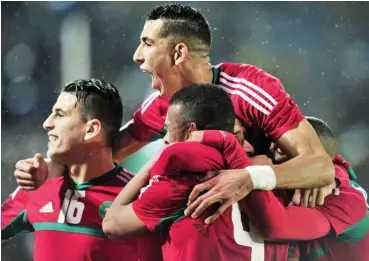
<point>196,73</point>
<point>95,165</point>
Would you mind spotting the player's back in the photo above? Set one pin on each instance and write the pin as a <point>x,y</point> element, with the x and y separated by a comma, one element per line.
<point>191,239</point>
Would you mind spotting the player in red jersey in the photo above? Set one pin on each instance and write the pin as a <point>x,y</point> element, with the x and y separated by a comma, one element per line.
<point>174,48</point>
<point>349,218</point>
<point>337,231</point>
<point>66,213</point>
<point>176,171</point>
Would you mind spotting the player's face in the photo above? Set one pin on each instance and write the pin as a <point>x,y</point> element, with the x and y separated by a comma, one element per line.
<point>65,128</point>
<point>239,132</point>
<point>175,130</point>
<point>154,55</point>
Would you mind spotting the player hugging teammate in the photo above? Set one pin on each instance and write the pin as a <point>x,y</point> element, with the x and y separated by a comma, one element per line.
<point>174,49</point>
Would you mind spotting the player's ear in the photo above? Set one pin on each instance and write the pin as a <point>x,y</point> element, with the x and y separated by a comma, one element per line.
<point>93,128</point>
<point>181,53</point>
<point>191,128</point>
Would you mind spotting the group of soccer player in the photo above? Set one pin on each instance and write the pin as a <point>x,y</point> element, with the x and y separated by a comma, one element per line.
<point>243,176</point>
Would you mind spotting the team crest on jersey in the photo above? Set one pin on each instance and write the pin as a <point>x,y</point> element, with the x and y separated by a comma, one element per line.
<point>104,207</point>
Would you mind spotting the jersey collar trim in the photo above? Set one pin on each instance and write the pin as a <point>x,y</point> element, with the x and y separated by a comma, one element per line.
<point>96,181</point>
<point>216,73</point>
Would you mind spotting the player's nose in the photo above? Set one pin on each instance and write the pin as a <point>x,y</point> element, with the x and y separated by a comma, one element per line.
<point>48,123</point>
<point>138,56</point>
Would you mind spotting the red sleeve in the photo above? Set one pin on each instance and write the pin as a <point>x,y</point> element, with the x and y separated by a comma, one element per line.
<point>342,176</point>
<point>277,222</point>
<point>229,146</point>
<point>344,210</point>
<point>148,121</point>
<point>13,206</point>
<point>262,100</point>
<point>162,202</point>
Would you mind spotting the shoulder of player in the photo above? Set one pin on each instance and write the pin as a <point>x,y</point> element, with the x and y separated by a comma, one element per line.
<point>122,177</point>
<point>53,182</point>
<point>184,147</point>
<point>180,151</point>
<point>248,72</point>
<point>154,100</point>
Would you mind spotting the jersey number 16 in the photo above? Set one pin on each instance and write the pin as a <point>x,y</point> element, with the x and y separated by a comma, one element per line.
<point>72,209</point>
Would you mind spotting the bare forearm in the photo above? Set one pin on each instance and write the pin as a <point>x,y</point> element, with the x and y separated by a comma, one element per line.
<point>305,171</point>
<point>123,226</point>
<point>132,189</point>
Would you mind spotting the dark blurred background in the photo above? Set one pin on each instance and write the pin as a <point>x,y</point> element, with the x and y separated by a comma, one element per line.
<point>319,50</point>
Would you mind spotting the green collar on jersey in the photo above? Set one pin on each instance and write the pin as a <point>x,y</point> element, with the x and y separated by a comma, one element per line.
<point>216,73</point>
<point>95,181</point>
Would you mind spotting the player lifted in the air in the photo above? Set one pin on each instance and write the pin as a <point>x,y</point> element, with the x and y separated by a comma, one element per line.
<point>175,47</point>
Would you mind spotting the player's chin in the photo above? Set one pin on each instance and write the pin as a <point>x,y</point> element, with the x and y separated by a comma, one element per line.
<point>52,154</point>
<point>155,86</point>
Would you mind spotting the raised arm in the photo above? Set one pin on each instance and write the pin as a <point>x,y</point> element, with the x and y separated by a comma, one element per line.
<point>310,166</point>
<point>163,200</point>
<point>131,191</point>
<point>282,121</point>
<point>277,114</point>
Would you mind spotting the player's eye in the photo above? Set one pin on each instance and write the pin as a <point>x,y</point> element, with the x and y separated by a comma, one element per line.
<point>58,114</point>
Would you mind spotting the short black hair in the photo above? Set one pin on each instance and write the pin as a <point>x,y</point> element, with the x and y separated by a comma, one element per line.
<point>325,134</point>
<point>98,99</point>
<point>207,105</point>
<point>183,21</point>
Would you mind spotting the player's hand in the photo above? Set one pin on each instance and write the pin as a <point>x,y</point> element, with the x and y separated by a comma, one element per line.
<point>312,197</point>
<point>228,187</point>
<point>31,173</point>
<point>196,136</point>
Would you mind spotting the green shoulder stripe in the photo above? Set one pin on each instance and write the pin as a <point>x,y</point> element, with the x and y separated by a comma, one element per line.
<point>164,223</point>
<point>69,228</point>
<point>356,232</point>
<point>17,227</point>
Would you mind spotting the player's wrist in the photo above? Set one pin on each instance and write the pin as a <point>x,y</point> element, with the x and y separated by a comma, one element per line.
<point>262,177</point>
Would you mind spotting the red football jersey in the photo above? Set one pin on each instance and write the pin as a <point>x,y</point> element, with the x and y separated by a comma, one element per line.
<point>162,202</point>
<point>348,216</point>
<point>345,213</point>
<point>66,219</point>
<point>259,100</point>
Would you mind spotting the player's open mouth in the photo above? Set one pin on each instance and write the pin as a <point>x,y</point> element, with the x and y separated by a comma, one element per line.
<point>52,137</point>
